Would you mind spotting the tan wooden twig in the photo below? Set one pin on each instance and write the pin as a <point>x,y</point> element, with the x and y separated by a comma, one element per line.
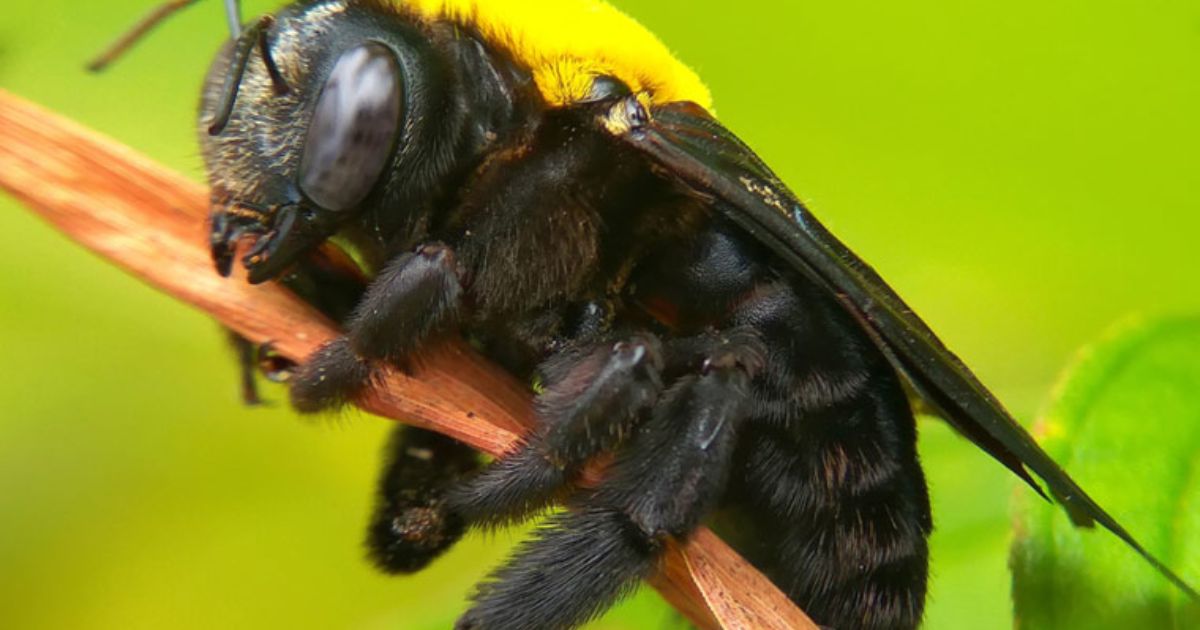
<point>150,221</point>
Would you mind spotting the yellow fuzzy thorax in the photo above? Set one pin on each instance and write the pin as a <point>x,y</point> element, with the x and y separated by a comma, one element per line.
<point>566,43</point>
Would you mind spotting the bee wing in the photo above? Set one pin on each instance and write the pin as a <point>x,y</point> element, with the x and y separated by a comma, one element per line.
<point>691,147</point>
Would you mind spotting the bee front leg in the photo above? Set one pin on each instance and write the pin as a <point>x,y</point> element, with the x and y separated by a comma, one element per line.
<point>416,295</point>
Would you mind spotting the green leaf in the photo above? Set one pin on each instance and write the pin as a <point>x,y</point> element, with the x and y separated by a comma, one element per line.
<point>1126,424</point>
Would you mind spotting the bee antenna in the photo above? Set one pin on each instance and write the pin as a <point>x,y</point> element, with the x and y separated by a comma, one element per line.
<point>277,80</point>
<point>139,30</point>
<point>243,47</point>
<point>233,14</point>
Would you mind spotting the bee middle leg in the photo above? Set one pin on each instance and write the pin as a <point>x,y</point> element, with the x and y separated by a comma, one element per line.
<point>592,399</point>
<point>411,524</point>
<point>661,484</point>
<point>432,488</point>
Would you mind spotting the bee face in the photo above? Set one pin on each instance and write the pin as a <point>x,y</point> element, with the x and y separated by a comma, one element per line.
<point>321,142</point>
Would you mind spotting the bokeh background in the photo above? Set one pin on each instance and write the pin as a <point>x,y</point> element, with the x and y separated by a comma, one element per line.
<point>1024,173</point>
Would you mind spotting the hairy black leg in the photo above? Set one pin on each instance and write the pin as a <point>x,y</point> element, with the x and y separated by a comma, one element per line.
<point>660,486</point>
<point>592,398</point>
<point>246,353</point>
<point>411,524</point>
<point>256,360</point>
<point>828,479</point>
<point>415,296</point>
<point>575,566</point>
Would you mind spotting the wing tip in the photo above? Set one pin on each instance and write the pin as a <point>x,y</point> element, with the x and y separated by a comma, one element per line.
<point>1085,513</point>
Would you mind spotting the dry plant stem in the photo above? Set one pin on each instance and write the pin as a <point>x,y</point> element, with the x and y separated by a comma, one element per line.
<point>150,221</point>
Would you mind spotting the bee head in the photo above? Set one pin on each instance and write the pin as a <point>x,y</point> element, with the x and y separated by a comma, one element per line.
<point>310,120</point>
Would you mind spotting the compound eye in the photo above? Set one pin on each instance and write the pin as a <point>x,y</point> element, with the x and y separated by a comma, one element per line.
<point>353,128</point>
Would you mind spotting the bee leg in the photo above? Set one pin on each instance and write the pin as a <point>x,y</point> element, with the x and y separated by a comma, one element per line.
<point>415,296</point>
<point>247,359</point>
<point>659,488</point>
<point>257,360</point>
<point>592,399</point>
<point>411,525</point>
<point>827,472</point>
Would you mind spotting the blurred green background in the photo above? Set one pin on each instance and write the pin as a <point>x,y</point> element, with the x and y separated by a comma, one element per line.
<point>1023,173</point>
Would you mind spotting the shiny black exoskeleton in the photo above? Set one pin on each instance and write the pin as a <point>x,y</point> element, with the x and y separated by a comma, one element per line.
<point>679,309</point>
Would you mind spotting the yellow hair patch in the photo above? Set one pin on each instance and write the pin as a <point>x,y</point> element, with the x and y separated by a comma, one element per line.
<point>567,43</point>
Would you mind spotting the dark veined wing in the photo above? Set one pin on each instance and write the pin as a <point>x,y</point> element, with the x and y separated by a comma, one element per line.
<point>691,147</point>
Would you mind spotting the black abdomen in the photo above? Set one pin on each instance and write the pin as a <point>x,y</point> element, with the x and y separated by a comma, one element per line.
<point>827,495</point>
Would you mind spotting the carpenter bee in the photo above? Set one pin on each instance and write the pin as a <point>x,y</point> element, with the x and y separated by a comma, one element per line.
<point>546,180</point>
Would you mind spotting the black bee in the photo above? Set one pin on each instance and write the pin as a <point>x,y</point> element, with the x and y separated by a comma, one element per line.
<point>546,180</point>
